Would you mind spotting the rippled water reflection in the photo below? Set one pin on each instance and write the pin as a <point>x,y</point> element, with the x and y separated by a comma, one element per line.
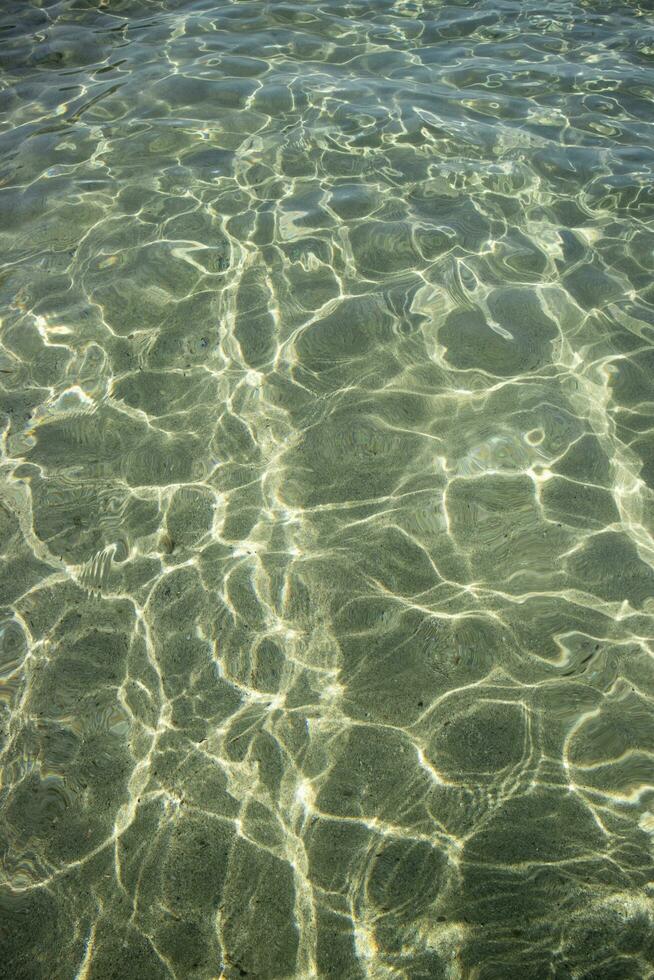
<point>327,489</point>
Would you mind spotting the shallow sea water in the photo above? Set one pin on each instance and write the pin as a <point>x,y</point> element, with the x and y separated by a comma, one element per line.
<point>326,489</point>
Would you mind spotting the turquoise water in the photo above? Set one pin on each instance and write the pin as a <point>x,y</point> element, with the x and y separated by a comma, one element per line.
<point>326,489</point>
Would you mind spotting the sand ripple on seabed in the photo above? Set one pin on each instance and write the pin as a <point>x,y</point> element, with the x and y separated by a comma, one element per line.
<point>327,607</point>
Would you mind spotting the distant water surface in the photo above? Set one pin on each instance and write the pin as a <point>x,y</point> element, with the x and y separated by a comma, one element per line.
<point>326,489</point>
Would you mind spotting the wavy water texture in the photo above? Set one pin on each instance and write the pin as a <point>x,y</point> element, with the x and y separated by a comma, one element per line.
<point>326,489</point>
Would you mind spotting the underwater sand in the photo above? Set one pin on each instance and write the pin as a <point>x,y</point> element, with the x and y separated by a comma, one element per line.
<point>326,489</point>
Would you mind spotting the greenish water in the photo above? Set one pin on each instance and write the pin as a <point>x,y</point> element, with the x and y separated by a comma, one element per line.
<point>326,489</point>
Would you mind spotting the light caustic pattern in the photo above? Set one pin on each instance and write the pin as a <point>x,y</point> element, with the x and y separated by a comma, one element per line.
<point>326,497</point>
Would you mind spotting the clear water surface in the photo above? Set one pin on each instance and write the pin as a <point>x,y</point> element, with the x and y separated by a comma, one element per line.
<point>327,489</point>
